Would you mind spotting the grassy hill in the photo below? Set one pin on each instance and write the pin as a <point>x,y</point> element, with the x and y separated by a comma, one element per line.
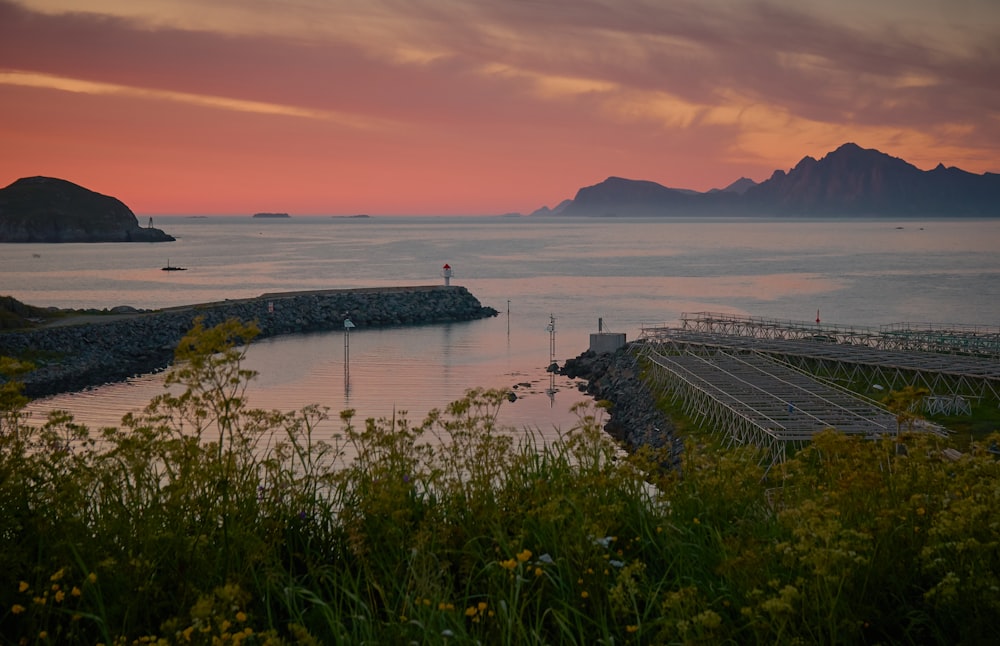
<point>16,315</point>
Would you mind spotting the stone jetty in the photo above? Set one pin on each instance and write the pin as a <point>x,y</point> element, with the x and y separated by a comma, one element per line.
<point>87,351</point>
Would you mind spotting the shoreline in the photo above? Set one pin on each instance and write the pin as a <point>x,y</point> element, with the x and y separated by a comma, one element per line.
<point>633,418</point>
<point>86,350</point>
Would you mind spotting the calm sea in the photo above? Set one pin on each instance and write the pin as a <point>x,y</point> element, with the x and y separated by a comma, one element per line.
<point>626,273</point>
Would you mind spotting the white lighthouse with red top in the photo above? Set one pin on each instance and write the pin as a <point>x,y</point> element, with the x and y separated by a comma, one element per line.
<point>446,272</point>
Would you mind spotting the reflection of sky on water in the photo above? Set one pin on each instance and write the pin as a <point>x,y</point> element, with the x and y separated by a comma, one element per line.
<point>390,372</point>
<point>628,273</point>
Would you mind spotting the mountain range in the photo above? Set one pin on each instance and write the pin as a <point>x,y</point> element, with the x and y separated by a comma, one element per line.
<point>850,181</point>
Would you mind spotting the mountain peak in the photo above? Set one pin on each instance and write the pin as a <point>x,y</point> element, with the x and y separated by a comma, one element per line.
<point>849,147</point>
<point>740,186</point>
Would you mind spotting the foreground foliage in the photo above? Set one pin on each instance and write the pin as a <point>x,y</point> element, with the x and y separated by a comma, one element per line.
<point>203,521</point>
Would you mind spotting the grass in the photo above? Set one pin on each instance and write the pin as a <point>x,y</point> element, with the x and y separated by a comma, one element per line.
<point>202,521</point>
<point>16,315</point>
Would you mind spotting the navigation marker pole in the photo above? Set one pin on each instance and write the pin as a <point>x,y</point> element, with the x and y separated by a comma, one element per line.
<point>551,392</point>
<point>551,327</point>
<point>347,353</point>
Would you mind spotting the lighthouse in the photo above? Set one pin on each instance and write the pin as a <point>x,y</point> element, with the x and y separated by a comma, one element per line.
<point>446,272</point>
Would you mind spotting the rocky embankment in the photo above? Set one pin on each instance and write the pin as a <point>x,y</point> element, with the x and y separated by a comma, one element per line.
<point>77,356</point>
<point>634,418</point>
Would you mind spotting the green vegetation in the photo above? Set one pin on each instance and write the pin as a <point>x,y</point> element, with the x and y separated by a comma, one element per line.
<point>203,521</point>
<point>15,315</point>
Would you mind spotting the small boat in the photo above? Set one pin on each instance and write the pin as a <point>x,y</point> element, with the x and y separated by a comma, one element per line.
<point>170,268</point>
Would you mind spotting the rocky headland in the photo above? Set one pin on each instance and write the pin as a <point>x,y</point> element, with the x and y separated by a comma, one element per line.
<point>78,352</point>
<point>634,418</point>
<point>47,209</point>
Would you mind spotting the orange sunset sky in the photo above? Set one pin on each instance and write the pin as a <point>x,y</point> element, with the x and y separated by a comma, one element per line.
<point>478,106</point>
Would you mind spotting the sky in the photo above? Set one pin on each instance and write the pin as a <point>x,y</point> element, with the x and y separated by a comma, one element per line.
<point>327,107</point>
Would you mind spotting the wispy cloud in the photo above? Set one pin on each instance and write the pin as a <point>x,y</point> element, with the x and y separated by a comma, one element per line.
<point>49,81</point>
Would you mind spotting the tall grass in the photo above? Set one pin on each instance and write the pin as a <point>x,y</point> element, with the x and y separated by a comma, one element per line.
<point>202,521</point>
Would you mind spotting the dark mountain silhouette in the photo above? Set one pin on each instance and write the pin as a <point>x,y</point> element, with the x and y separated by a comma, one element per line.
<point>46,209</point>
<point>559,208</point>
<point>848,181</point>
<point>619,196</point>
<point>741,186</point>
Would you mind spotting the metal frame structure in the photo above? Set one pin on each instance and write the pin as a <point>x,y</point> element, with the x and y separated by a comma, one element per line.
<point>774,383</point>
<point>759,401</point>
<point>969,340</point>
<point>945,375</point>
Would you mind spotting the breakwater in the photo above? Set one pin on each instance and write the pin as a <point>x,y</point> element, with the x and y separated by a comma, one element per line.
<point>87,351</point>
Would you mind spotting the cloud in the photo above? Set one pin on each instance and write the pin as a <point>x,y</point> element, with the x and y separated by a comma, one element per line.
<point>223,103</point>
<point>442,58</point>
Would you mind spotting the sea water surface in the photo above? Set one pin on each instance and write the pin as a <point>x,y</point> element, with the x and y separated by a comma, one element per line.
<point>625,273</point>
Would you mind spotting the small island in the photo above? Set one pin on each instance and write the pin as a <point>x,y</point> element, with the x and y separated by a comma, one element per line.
<point>271,215</point>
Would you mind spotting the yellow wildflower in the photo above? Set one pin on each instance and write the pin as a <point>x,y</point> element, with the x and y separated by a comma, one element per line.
<point>509,564</point>
<point>22,586</point>
<point>43,635</point>
<point>92,577</point>
<point>60,595</point>
<point>17,609</point>
<point>631,628</point>
<point>584,594</point>
<point>75,591</point>
<point>58,575</point>
<point>241,616</point>
<point>470,611</point>
<point>524,555</point>
<point>538,571</point>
